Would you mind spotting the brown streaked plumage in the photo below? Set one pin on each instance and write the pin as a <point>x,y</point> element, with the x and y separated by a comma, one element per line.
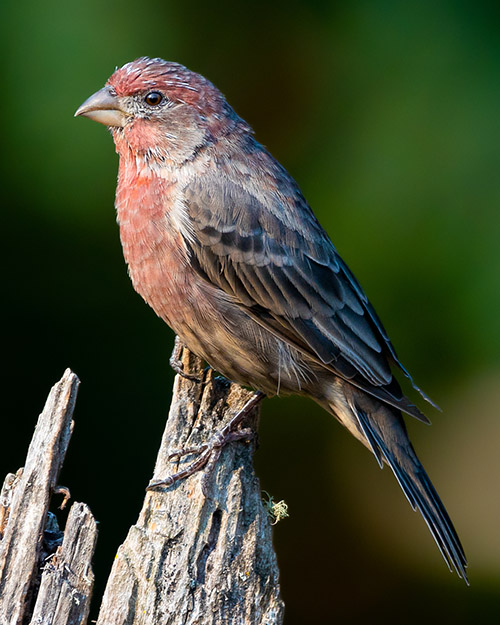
<point>221,243</point>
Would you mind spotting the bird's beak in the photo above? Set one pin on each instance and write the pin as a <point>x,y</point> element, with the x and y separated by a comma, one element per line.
<point>103,107</point>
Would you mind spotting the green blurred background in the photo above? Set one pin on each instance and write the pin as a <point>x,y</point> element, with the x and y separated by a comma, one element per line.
<point>387,114</point>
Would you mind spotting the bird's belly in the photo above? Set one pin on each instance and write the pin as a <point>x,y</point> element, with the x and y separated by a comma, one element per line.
<point>236,346</point>
<point>215,328</point>
<point>209,322</point>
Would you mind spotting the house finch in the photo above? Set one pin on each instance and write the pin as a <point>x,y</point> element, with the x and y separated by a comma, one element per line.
<point>221,243</point>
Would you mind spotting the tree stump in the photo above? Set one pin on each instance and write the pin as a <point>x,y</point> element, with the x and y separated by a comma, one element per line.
<point>195,555</point>
<point>30,538</point>
<point>191,557</point>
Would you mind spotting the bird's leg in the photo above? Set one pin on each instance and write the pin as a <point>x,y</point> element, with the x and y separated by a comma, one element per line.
<point>176,362</point>
<point>210,452</point>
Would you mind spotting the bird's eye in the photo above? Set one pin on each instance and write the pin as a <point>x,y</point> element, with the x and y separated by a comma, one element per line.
<point>153,98</point>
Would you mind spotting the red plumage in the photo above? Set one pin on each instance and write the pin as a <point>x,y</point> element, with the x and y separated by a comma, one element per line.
<point>221,243</point>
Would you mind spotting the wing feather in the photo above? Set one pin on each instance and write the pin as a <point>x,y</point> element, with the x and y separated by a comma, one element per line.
<point>269,252</point>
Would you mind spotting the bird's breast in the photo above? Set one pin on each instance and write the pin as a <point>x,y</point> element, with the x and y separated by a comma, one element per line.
<point>153,230</point>
<point>151,220</point>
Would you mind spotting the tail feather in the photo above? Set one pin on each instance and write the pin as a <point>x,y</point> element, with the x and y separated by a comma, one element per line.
<point>372,440</point>
<point>422,496</point>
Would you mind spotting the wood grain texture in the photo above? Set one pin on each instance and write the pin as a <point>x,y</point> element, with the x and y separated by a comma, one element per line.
<point>25,500</point>
<point>196,558</point>
<point>67,579</point>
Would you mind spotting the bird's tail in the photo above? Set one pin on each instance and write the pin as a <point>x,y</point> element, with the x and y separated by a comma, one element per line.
<point>393,446</point>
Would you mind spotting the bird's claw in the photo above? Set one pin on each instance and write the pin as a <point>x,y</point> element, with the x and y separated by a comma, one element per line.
<point>186,451</point>
<point>209,453</point>
<point>176,363</point>
<point>179,369</point>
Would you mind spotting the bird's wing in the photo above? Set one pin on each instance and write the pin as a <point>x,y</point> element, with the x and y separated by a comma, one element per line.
<point>270,253</point>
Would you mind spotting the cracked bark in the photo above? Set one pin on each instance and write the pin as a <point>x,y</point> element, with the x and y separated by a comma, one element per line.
<point>30,540</point>
<point>67,579</point>
<point>192,558</point>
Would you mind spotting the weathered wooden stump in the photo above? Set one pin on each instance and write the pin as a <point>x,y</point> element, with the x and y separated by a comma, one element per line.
<point>195,555</point>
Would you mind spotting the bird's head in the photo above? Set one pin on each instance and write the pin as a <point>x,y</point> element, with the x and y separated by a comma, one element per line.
<point>160,110</point>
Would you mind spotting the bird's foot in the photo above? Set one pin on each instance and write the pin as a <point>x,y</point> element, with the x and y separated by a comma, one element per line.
<point>209,453</point>
<point>176,362</point>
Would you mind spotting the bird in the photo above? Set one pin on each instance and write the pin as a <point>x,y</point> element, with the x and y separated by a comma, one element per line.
<point>221,243</point>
